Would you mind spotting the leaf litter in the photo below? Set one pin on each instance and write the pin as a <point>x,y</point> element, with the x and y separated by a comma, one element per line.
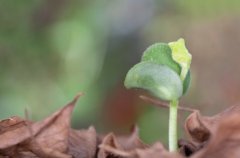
<point>217,136</point>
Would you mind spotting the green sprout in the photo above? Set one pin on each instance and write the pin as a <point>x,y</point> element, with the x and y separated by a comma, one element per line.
<point>164,71</point>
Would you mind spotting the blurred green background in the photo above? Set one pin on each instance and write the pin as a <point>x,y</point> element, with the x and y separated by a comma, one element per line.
<point>52,49</point>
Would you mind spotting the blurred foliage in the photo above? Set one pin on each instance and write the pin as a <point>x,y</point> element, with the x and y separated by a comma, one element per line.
<point>52,49</point>
<point>154,121</point>
<point>208,9</point>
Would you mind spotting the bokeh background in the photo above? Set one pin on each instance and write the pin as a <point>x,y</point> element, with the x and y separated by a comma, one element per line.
<point>52,49</point>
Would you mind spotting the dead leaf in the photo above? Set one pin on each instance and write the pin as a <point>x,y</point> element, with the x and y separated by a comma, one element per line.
<point>121,146</point>
<point>210,137</point>
<point>13,134</point>
<point>196,126</point>
<point>82,143</point>
<point>200,128</point>
<point>47,138</point>
<point>155,151</point>
<point>50,136</point>
<point>11,123</point>
<point>187,148</point>
<point>225,141</point>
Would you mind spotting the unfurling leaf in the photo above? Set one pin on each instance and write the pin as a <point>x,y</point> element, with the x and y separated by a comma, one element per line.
<point>181,55</point>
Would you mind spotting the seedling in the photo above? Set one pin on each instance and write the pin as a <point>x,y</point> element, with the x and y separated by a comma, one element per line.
<point>164,71</point>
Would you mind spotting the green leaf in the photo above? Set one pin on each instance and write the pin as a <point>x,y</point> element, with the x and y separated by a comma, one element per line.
<point>181,55</point>
<point>158,79</point>
<point>186,82</point>
<point>161,53</point>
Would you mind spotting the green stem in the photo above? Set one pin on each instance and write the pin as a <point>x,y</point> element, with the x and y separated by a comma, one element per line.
<point>172,133</point>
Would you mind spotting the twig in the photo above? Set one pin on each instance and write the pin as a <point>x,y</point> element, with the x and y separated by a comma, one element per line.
<point>163,104</point>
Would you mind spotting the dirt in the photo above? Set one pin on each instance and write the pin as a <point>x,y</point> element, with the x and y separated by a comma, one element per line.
<point>208,137</point>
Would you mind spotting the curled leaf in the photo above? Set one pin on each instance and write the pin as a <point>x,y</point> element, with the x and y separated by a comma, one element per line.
<point>160,80</point>
<point>120,146</point>
<point>225,141</point>
<point>197,127</point>
<point>200,128</point>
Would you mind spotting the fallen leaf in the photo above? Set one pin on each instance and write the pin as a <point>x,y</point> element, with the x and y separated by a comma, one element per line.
<point>197,127</point>
<point>200,128</point>
<point>13,134</point>
<point>155,151</point>
<point>187,148</point>
<point>120,146</point>
<point>11,123</point>
<point>225,141</point>
<point>47,138</point>
<point>82,143</point>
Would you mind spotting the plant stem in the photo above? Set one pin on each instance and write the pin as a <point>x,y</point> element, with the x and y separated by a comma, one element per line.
<point>172,133</point>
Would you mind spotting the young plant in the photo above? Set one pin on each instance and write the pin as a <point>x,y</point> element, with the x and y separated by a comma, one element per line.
<point>164,70</point>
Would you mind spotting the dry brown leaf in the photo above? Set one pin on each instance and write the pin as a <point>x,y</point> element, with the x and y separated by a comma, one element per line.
<point>82,143</point>
<point>121,146</point>
<point>55,129</point>
<point>50,136</point>
<point>197,127</point>
<point>225,141</point>
<point>210,137</point>
<point>12,135</point>
<point>187,148</point>
<point>47,138</point>
<point>11,124</point>
<point>200,128</point>
<point>155,151</point>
